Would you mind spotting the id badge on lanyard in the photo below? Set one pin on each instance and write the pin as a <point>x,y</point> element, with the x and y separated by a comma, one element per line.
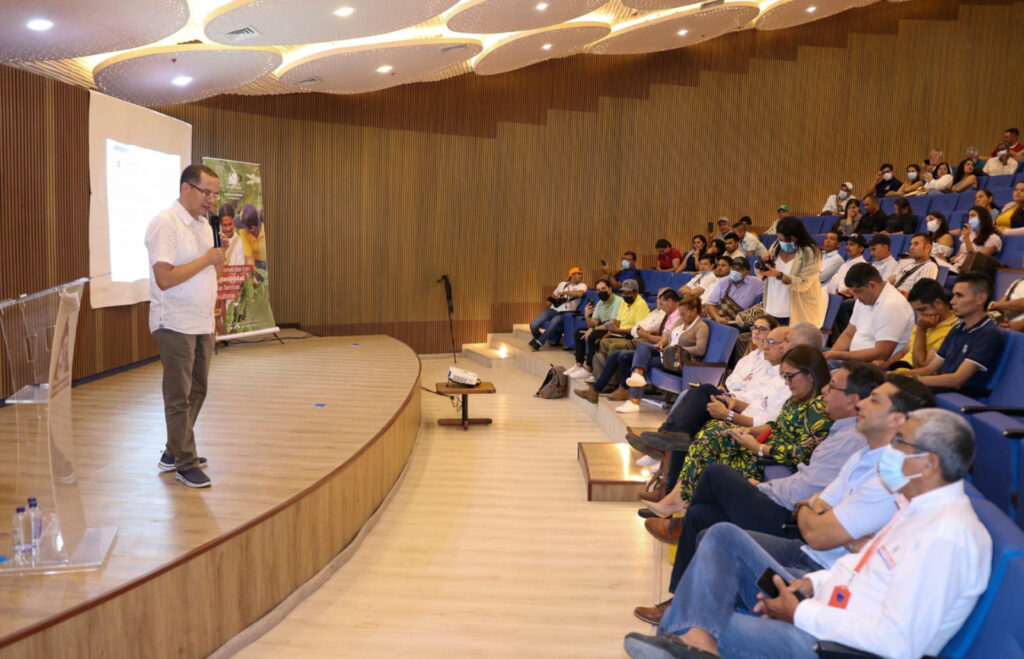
<point>840,597</point>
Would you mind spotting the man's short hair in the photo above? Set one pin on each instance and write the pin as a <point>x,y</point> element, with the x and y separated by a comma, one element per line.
<point>662,243</point>
<point>862,378</point>
<point>710,258</point>
<point>805,334</point>
<point>861,274</point>
<point>746,220</point>
<point>901,203</point>
<point>194,173</point>
<point>949,436</point>
<point>603,281</point>
<point>1013,131</point>
<point>927,291</point>
<point>723,257</point>
<point>870,195</point>
<point>731,236</point>
<point>669,294</point>
<point>910,394</point>
<point>979,282</point>
<point>629,253</point>
<point>740,225</point>
<point>923,234</point>
<point>884,165</point>
<point>839,236</point>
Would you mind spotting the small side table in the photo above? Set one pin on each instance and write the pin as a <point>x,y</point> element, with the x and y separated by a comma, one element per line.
<point>452,389</point>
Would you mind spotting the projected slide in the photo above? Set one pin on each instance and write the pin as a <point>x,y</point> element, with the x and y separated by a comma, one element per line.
<point>140,183</point>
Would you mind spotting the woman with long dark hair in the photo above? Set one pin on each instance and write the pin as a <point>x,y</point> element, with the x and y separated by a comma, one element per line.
<point>691,260</point>
<point>792,290</point>
<point>977,235</point>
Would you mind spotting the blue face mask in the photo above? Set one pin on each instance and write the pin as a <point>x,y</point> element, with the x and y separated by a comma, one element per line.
<point>975,223</point>
<point>625,264</point>
<point>843,194</point>
<point>735,276</point>
<point>787,246</point>
<point>890,469</point>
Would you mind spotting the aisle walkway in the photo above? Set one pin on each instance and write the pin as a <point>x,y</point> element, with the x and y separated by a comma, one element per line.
<point>489,548</point>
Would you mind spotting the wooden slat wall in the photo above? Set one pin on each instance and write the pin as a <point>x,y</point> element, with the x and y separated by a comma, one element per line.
<point>504,182</point>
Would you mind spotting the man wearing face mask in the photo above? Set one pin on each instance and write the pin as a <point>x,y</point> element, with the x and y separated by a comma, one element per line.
<point>735,293</point>
<point>628,271</point>
<point>885,182</point>
<point>595,315</point>
<point>1010,142</point>
<point>885,599</point>
<point>837,202</point>
<point>1001,163</point>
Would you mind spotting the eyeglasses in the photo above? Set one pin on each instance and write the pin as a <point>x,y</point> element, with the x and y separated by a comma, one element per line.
<point>207,194</point>
<point>920,450</point>
<point>758,328</point>
<point>772,342</point>
<point>788,377</point>
<point>835,388</point>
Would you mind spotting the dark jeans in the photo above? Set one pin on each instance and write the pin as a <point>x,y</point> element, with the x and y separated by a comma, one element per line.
<point>690,411</point>
<point>724,495</point>
<point>618,362</point>
<point>585,350</point>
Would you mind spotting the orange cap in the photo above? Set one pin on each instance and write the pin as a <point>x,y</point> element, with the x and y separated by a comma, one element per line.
<point>573,271</point>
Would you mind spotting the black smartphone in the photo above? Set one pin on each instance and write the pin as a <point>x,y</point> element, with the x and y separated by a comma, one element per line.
<point>767,585</point>
<point>711,229</point>
<point>603,262</point>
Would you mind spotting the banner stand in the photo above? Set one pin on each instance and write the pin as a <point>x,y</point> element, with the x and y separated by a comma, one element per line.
<point>226,339</point>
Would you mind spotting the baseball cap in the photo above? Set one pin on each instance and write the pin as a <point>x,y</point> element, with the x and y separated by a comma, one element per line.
<point>783,207</point>
<point>630,285</point>
<point>857,238</point>
<point>741,263</point>
<point>573,271</point>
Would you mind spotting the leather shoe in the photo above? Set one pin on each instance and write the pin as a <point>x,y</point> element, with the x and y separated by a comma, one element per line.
<point>587,393</point>
<point>667,530</point>
<point>634,440</point>
<point>652,614</point>
<point>619,394</point>
<point>667,441</point>
<point>657,494</point>
<point>641,646</point>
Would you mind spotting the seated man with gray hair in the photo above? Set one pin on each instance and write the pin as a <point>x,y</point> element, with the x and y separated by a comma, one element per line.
<point>904,593</point>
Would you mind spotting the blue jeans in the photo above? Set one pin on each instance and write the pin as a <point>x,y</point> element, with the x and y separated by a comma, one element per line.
<point>554,329</point>
<point>725,568</point>
<point>617,362</point>
<point>645,357</point>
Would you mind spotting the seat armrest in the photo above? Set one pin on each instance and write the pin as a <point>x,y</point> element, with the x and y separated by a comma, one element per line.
<point>1010,411</point>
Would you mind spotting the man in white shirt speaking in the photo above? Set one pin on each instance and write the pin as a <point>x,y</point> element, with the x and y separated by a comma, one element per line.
<point>182,292</point>
<point>904,594</point>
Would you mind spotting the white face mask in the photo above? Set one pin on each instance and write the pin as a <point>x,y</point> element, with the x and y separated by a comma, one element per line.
<point>1002,153</point>
<point>933,226</point>
<point>887,176</point>
<point>843,194</point>
<point>911,176</point>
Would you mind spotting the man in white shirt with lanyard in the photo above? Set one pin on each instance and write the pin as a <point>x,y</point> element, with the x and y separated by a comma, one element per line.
<point>183,291</point>
<point>904,594</point>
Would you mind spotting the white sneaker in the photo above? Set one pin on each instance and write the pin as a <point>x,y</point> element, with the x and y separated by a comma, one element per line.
<point>636,380</point>
<point>576,372</point>
<point>590,378</point>
<point>647,461</point>
<point>628,406</point>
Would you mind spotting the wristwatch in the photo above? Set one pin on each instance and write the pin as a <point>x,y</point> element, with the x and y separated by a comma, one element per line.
<point>760,451</point>
<point>779,276</point>
<point>732,415</point>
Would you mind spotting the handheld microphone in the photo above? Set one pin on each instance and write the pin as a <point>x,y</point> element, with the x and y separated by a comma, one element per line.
<point>215,225</point>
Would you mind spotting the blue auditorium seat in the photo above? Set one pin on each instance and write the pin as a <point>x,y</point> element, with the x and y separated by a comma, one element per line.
<point>1019,177</point>
<point>831,311</point>
<point>888,205</point>
<point>1002,197</point>
<point>680,279</point>
<point>1000,182</point>
<point>898,244</point>
<point>655,280</point>
<point>965,200</point>
<point>920,204</point>
<point>982,182</point>
<point>957,219</point>
<point>1003,280</point>
<point>944,204</point>
<point>721,340</point>
<point>942,276</point>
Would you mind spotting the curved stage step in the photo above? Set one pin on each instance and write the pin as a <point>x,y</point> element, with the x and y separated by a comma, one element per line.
<point>304,441</point>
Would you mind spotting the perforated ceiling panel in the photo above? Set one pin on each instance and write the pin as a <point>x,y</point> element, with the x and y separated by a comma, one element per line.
<point>676,29</point>
<point>80,27</point>
<point>532,47</point>
<point>495,16</point>
<point>169,75</point>
<point>790,13</point>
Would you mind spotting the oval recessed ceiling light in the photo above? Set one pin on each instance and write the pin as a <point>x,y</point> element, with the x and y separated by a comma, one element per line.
<point>344,11</point>
<point>39,24</point>
<point>546,46</point>
<point>811,9</point>
<point>541,6</point>
<point>387,68</point>
<point>181,81</point>
<point>681,33</point>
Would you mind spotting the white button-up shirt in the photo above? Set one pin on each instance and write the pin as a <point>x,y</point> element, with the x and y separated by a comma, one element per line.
<point>177,238</point>
<point>917,588</point>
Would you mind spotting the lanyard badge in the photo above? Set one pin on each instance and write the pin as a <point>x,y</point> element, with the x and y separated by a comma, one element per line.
<point>840,597</point>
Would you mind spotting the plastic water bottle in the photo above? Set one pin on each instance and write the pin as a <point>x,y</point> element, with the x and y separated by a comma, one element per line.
<point>35,519</point>
<point>19,524</point>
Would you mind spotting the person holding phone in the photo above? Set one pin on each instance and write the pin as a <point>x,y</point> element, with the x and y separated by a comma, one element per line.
<point>884,599</point>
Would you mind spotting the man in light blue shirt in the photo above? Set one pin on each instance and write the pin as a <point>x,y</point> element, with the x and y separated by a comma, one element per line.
<point>738,286</point>
<point>831,259</point>
<point>724,495</point>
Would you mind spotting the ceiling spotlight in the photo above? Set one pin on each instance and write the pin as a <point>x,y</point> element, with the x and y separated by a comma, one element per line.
<point>681,33</point>
<point>39,24</point>
<point>387,68</point>
<point>541,6</point>
<point>811,9</point>
<point>546,46</point>
<point>344,11</point>
<point>181,81</point>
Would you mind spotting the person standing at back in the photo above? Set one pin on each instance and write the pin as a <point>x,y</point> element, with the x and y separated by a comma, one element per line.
<point>182,292</point>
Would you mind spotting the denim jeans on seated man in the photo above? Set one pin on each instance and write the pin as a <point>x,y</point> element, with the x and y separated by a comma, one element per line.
<point>645,357</point>
<point>554,329</point>
<point>725,568</point>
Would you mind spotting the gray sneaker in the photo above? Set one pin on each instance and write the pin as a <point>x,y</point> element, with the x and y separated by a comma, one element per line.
<point>193,477</point>
<point>167,462</point>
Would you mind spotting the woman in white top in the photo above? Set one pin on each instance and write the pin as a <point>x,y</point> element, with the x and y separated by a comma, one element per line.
<point>792,290</point>
<point>942,181</point>
<point>942,239</point>
<point>752,367</point>
<point>978,235</point>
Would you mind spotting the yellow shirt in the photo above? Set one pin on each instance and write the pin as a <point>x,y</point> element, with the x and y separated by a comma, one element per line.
<point>255,248</point>
<point>631,314</point>
<point>933,337</point>
<point>1004,218</point>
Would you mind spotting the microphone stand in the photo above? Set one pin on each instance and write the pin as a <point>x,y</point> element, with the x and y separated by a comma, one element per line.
<point>451,310</point>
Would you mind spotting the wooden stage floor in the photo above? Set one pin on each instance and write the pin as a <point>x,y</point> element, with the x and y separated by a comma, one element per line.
<point>278,423</point>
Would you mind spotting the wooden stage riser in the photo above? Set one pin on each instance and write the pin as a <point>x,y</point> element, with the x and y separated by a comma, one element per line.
<point>195,607</point>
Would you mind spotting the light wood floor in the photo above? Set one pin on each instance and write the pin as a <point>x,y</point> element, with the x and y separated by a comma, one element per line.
<point>489,547</point>
<point>264,436</point>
